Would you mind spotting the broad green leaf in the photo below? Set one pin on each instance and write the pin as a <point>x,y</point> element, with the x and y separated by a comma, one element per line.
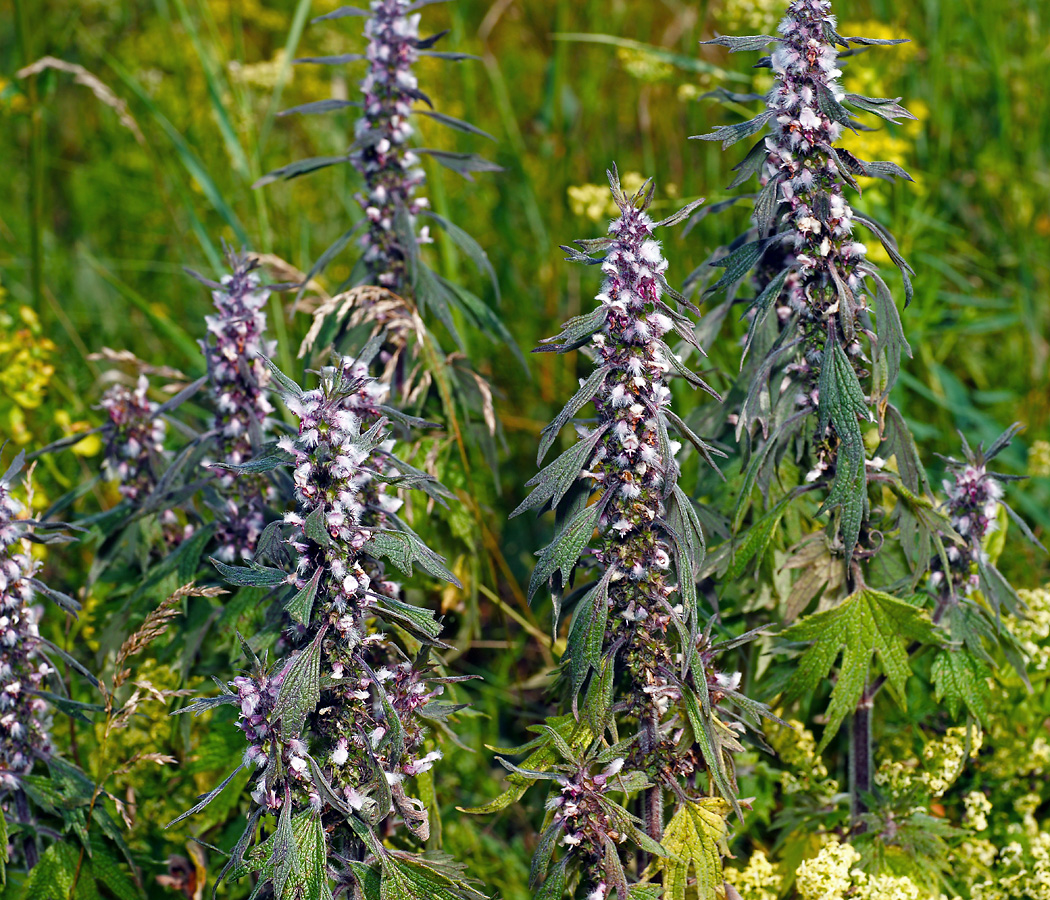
<point>562,554</point>
<point>959,678</point>
<point>865,624</point>
<point>695,838</point>
<point>406,550</point>
<point>842,403</point>
<point>409,877</point>
<point>300,690</point>
<point>52,876</point>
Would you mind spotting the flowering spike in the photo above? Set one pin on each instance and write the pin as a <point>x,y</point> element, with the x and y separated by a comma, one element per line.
<point>391,170</point>
<point>338,726</point>
<point>637,627</point>
<point>809,265</point>
<point>136,439</point>
<point>24,722</point>
<point>239,380</point>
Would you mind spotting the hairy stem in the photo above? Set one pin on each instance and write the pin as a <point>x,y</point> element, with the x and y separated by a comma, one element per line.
<point>860,758</point>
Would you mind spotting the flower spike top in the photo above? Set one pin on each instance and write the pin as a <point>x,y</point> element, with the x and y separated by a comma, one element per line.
<point>337,728</point>
<point>239,381</point>
<point>389,165</point>
<point>805,226</point>
<point>390,169</point>
<point>636,653</point>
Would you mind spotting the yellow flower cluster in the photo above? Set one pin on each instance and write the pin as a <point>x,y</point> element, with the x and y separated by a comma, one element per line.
<point>1033,630</point>
<point>977,808</point>
<point>1018,873</point>
<point>804,771</point>
<point>25,370</point>
<point>1039,459</point>
<point>832,875</point>
<point>594,202</point>
<point>827,876</point>
<point>884,887</point>
<point>644,66</point>
<point>943,760</point>
<point>759,880</point>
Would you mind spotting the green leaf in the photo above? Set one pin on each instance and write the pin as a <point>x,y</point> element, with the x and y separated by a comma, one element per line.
<point>762,304</point>
<point>404,550</point>
<point>553,887</point>
<point>743,42</point>
<point>587,634</point>
<point>543,756</point>
<point>730,134</point>
<point>301,605</point>
<point>580,399</point>
<point>52,877</point>
<point>251,575</point>
<point>409,877</point>
<point>4,858</point>
<point>959,679</point>
<point>890,331</point>
<point>552,483</point>
<point>842,402</point>
<point>738,263</point>
<point>757,540</point>
<point>695,838</point>
<point>562,554</point>
<point>890,110</point>
<point>705,727</point>
<point>300,690</point>
<point>865,624</point>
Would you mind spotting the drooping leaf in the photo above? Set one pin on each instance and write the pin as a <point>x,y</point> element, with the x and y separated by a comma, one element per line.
<point>730,134</point>
<point>562,554</point>
<point>960,680</point>
<point>300,691</point>
<point>695,840</point>
<point>843,404</point>
<point>866,625</point>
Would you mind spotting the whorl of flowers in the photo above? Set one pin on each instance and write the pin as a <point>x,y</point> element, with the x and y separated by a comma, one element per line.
<point>391,170</point>
<point>136,439</point>
<point>239,385</point>
<point>638,616</point>
<point>337,728</point>
<point>24,719</point>
<point>973,497</point>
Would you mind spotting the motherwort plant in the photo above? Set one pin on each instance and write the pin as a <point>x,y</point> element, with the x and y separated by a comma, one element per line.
<point>339,724</point>
<point>662,712</point>
<point>397,216</point>
<point>813,401</point>
<point>239,380</point>
<point>823,284</point>
<point>25,666</point>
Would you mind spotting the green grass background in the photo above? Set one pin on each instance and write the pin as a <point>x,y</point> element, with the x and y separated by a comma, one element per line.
<point>106,200</point>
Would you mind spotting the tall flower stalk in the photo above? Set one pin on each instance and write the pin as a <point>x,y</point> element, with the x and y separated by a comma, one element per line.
<point>389,163</point>
<point>660,714</point>
<point>824,283</point>
<point>390,169</point>
<point>25,717</point>
<point>815,383</point>
<point>239,383</point>
<point>338,727</point>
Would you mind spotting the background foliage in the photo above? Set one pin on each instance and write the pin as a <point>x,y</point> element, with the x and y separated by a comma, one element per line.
<point>131,163</point>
